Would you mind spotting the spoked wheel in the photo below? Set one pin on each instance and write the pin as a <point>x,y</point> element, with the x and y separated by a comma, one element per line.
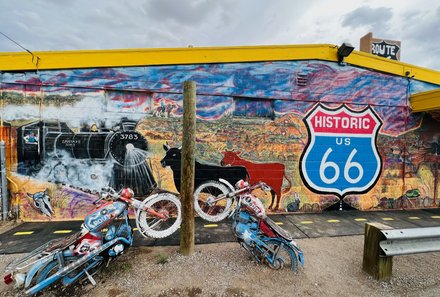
<point>206,206</point>
<point>151,225</point>
<point>281,255</point>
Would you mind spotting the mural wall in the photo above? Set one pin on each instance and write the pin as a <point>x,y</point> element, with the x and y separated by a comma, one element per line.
<point>322,136</point>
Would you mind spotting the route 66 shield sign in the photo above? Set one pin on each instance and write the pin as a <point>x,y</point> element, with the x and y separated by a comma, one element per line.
<point>341,156</point>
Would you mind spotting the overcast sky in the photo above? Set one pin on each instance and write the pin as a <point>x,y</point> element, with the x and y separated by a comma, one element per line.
<point>109,24</point>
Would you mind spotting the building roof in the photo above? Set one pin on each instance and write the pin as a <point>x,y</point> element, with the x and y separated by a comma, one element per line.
<point>425,101</point>
<point>24,61</point>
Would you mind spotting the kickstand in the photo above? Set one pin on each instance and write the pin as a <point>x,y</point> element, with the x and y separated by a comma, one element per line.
<point>91,279</point>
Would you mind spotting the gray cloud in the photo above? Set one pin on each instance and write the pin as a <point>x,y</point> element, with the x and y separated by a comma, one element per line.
<point>109,24</point>
<point>372,18</point>
<point>423,36</point>
<point>422,31</point>
<point>184,12</point>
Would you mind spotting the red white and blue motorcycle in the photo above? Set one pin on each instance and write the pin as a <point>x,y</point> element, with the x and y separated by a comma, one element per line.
<point>267,242</point>
<point>105,234</point>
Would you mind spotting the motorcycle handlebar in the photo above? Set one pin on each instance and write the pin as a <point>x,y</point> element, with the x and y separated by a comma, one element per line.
<point>248,188</point>
<point>105,193</point>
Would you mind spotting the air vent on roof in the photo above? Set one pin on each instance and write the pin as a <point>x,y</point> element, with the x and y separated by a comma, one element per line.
<point>301,79</point>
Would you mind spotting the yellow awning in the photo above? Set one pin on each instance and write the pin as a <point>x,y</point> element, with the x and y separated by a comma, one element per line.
<point>425,101</point>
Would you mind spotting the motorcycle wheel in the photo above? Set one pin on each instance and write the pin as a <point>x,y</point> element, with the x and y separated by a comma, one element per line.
<point>51,268</point>
<point>151,226</point>
<point>208,191</point>
<point>283,256</point>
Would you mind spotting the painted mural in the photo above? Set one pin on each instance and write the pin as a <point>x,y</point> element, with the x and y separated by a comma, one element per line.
<point>322,136</point>
<point>203,172</point>
<point>270,173</point>
<point>341,156</point>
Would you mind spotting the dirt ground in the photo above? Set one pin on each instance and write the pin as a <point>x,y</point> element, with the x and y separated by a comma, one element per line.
<point>332,268</point>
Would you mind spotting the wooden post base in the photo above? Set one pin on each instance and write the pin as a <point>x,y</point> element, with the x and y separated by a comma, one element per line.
<point>379,267</point>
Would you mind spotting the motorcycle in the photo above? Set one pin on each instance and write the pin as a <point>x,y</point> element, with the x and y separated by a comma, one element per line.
<point>259,235</point>
<point>105,234</point>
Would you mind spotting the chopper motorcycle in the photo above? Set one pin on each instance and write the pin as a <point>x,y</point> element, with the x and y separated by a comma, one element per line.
<point>259,235</point>
<point>104,235</point>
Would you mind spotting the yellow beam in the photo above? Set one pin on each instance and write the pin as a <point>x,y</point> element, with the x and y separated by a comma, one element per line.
<point>21,61</point>
<point>425,101</point>
<point>162,56</point>
<point>393,67</point>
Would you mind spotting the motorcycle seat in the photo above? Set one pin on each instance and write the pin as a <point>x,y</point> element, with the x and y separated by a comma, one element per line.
<point>61,243</point>
<point>277,229</point>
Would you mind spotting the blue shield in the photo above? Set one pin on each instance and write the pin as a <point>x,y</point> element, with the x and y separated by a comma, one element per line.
<point>341,156</point>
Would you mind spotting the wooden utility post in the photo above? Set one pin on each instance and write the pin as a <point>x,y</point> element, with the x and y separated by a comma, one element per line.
<point>373,263</point>
<point>188,168</point>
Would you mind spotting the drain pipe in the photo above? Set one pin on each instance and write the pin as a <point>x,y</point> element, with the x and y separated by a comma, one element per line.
<point>5,202</point>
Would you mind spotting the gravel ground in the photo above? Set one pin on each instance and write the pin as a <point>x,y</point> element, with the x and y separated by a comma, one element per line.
<point>333,268</point>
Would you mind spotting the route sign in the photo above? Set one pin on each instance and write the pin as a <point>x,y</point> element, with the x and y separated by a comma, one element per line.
<point>341,156</point>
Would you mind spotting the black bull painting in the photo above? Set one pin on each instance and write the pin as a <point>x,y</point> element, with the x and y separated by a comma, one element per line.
<point>203,172</point>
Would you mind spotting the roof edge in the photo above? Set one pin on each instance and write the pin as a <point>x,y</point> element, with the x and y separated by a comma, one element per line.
<point>425,101</point>
<point>45,60</point>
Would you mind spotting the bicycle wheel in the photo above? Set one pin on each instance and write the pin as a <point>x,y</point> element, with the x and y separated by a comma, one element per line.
<point>152,226</point>
<point>281,255</point>
<point>212,211</point>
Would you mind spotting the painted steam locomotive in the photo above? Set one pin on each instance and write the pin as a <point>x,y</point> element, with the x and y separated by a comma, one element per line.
<point>91,158</point>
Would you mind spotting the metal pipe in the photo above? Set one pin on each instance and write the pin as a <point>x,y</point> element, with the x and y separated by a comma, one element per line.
<point>5,196</point>
<point>15,201</point>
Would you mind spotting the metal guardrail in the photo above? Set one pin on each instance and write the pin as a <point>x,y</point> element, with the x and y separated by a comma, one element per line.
<point>382,242</point>
<point>410,241</point>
